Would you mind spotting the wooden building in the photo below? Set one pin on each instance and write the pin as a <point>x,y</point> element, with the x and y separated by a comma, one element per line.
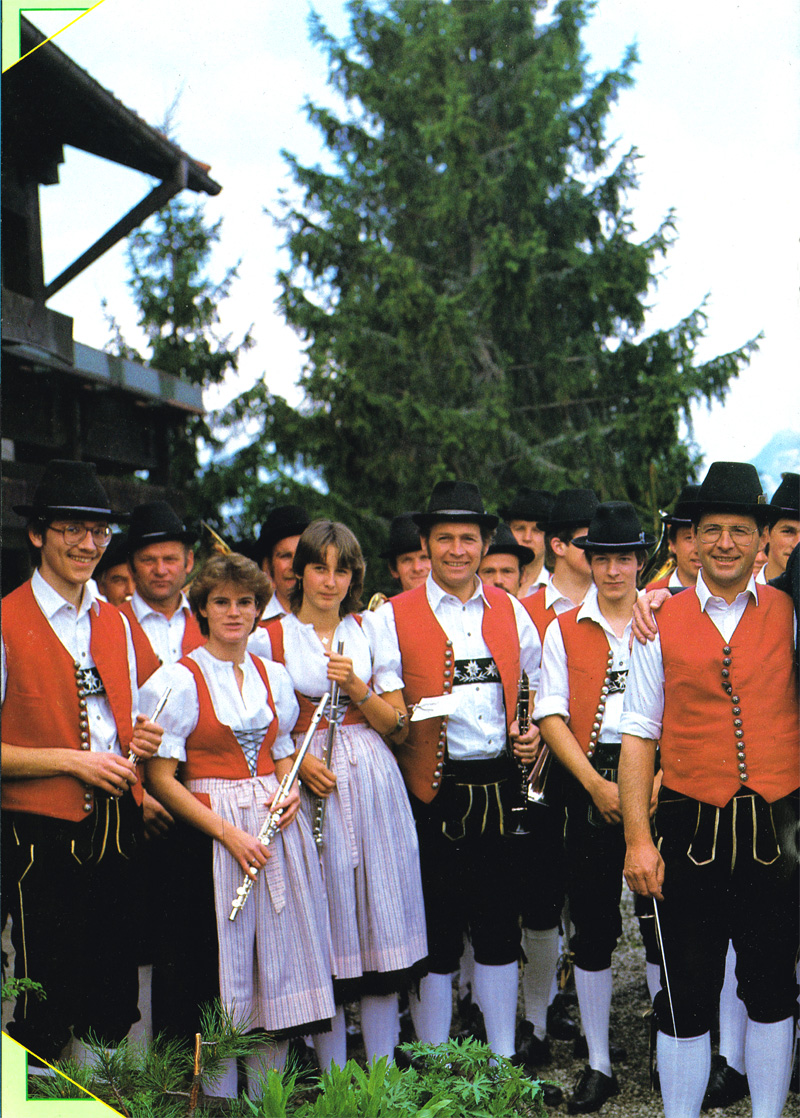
<point>61,399</point>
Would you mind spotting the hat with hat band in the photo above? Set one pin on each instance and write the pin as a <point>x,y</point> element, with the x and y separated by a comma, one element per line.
<point>456,501</point>
<point>156,522</point>
<point>730,487</point>
<point>785,503</point>
<point>281,522</point>
<point>504,542</point>
<point>403,537</point>
<point>530,504</point>
<point>573,508</point>
<point>681,516</point>
<point>70,489</point>
<point>615,527</point>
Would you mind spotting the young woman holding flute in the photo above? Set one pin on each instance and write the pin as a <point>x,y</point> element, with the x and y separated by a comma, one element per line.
<point>225,748</point>
<point>368,840</point>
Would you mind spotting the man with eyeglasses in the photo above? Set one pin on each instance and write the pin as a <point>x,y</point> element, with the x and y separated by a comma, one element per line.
<point>716,688</point>
<point>71,794</point>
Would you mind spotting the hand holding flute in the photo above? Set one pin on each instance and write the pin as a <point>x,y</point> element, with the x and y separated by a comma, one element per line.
<point>273,820</point>
<point>147,734</point>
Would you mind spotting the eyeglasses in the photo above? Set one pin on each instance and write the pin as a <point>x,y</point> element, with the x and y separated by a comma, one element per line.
<point>77,533</point>
<point>739,533</point>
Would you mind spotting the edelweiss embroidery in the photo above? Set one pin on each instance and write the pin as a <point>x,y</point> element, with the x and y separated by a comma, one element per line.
<point>479,670</point>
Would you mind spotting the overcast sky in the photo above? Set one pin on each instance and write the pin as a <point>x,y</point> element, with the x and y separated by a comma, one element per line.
<point>713,113</point>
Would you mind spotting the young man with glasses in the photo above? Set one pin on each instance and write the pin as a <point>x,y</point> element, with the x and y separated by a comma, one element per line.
<point>71,793</point>
<point>716,689</point>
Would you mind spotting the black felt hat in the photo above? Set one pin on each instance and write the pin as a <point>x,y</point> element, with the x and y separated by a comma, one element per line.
<point>785,503</point>
<point>681,516</point>
<point>403,536</point>
<point>615,527</point>
<point>505,543</point>
<point>530,504</point>
<point>70,489</point>
<point>282,521</point>
<point>113,555</point>
<point>156,522</point>
<point>456,501</point>
<point>730,487</point>
<point>573,508</point>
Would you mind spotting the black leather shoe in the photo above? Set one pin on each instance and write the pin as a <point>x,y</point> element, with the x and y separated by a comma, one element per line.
<point>725,1085</point>
<point>552,1095</point>
<point>561,1025</point>
<point>618,1054</point>
<point>531,1051</point>
<point>592,1091</point>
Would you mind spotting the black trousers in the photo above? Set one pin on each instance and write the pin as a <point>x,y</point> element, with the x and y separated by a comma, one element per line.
<point>730,873</point>
<point>71,891</point>
<point>541,864</point>
<point>468,865</point>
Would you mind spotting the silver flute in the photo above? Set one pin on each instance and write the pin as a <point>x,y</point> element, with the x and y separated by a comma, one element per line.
<point>319,811</point>
<point>272,822</point>
<point>162,702</point>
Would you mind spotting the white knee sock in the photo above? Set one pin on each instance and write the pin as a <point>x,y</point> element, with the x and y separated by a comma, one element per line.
<point>226,1084</point>
<point>497,997</point>
<point>732,1017</point>
<point>331,1048</point>
<point>684,1064</point>
<point>432,1010</point>
<point>594,1001</point>
<point>380,1025</point>
<point>269,1056</point>
<point>653,975</point>
<point>541,951</point>
<point>768,1063</point>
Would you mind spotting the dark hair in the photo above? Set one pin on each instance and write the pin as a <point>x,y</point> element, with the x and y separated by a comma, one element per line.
<point>234,568</point>
<point>312,547</point>
<point>38,525</point>
<point>641,553</point>
<point>563,534</point>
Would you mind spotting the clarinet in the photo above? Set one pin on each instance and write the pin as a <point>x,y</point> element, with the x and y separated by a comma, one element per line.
<point>272,822</point>
<point>523,720</point>
<point>319,813</point>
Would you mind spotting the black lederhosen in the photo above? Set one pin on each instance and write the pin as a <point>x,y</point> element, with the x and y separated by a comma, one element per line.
<point>469,879</point>
<point>730,873</point>
<point>71,890</point>
<point>595,854</point>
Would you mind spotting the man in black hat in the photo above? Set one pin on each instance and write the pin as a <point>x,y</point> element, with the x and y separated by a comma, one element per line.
<point>716,690</point>
<point>527,517</point>
<point>504,561</point>
<point>682,544</point>
<point>783,528</point>
<point>460,647</point>
<point>71,795</point>
<point>161,559</point>
<point>112,575</point>
<point>579,706</point>
<point>408,561</point>
<point>277,543</point>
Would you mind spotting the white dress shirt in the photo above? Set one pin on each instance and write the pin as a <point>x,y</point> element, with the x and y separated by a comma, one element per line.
<point>246,712</point>
<point>476,730</point>
<point>554,599</point>
<point>542,579</point>
<point>73,628</point>
<point>553,696</point>
<point>644,700</point>
<point>164,633</point>
<point>307,663</point>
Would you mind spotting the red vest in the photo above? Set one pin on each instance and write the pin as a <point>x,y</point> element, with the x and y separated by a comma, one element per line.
<point>587,647</point>
<point>659,583</point>
<point>41,708</point>
<point>540,614</point>
<point>427,655</point>
<point>146,660</point>
<point>212,749</point>
<point>353,715</point>
<point>699,746</point>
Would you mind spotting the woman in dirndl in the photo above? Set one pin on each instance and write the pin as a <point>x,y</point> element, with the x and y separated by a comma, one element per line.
<point>368,840</point>
<point>226,746</point>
